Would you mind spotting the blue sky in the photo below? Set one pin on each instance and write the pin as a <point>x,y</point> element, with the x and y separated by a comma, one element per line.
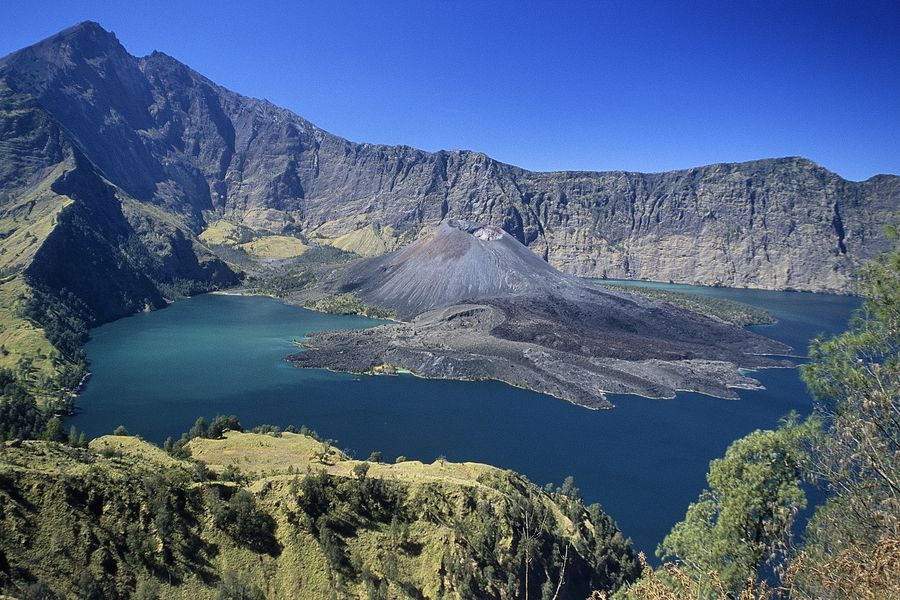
<point>646,86</point>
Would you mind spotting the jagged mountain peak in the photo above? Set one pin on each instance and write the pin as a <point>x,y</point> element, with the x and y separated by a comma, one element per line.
<point>168,136</point>
<point>87,40</point>
<point>88,30</point>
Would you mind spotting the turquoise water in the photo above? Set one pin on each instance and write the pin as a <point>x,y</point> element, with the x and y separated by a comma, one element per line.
<point>644,461</point>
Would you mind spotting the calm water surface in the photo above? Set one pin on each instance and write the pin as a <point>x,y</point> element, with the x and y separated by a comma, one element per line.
<point>644,461</point>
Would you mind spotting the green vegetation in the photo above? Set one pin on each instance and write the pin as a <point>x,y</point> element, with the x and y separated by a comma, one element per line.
<point>224,233</point>
<point>275,246</point>
<point>261,515</point>
<point>743,521</point>
<point>39,340</point>
<point>349,304</point>
<point>24,345</point>
<point>368,240</point>
<point>729,311</point>
<point>41,360</point>
<point>286,278</point>
<point>214,430</point>
<point>855,378</point>
<point>736,540</point>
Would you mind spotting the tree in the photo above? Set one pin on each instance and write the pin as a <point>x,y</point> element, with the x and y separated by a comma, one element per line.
<point>146,588</point>
<point>313,497</point>
<point>569,490</point>
<point>247,524</point>
<point>672,582</point>
<point>220,425</point>
<point>234,586</point>
<point>743,520</point>
<point>53,432</point>
<point>199,429</point>
<point>855,379</point>
<point>19,414</point>
<point>322,452</point>
<point>332,548</point>
<point>360,470</point>
<point>850,447</point>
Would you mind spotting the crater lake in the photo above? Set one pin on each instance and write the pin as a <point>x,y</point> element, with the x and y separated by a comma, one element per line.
<point>644,460</point>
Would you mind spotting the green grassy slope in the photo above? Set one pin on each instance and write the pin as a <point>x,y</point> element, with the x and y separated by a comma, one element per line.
<point>289,517</point>
<point>730,311</point>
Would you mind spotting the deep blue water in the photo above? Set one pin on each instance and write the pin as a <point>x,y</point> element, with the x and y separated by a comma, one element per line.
<point>644,461</point>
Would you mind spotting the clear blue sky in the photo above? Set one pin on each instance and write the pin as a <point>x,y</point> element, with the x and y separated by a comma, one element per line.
<point>547,86</point>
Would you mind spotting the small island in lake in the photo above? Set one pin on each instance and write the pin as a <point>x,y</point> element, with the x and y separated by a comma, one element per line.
<point>477,304</point>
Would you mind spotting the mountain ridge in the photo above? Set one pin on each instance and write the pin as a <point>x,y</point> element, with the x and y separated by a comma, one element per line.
<point>209,153</point>
<point>114,166</point>
<point>255,515</point>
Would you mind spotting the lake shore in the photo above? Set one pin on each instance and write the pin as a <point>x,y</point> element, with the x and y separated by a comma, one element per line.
<point>155,373</point>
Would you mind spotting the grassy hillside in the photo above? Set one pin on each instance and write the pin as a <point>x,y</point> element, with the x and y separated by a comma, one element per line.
<point>241,237</point>
<point>26,222</point>
<point>368,240</point>
<point>737,313</point>
<point>32,157</point>
<point>288,516</point>
<point>24,347</point>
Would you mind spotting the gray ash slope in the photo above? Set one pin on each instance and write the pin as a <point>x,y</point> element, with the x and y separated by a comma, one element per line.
<point>455,262</point>
<point>480,305</point>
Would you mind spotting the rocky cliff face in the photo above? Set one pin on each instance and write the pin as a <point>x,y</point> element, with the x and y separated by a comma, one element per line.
<point>75,248</point>
<point>170,137</point>
<point>69,230</point>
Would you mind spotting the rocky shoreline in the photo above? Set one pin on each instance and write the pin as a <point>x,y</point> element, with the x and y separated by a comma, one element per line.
<point>457,343</point>
<point>476,304</point>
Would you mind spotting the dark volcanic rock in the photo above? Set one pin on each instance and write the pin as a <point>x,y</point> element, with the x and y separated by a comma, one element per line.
<point>483,307</point>
<point>168,136</point>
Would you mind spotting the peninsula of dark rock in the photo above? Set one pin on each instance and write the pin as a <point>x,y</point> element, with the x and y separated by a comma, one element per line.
<point>479,305</point>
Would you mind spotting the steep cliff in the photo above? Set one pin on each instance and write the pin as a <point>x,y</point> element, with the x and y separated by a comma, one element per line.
<point>75,250</point>
<point>170,137</point>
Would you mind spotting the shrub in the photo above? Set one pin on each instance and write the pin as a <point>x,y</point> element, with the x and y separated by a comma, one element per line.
<point>245,522</point>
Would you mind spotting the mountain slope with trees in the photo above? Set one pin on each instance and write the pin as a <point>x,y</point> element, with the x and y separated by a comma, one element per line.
<point>253,515</point>
<point>737,540</point>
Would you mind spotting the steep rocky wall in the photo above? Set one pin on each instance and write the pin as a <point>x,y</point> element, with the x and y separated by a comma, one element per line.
<point>168,136</point>
<point>78,237</point>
